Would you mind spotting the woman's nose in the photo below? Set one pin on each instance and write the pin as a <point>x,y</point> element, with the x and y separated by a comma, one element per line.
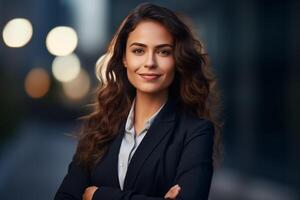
<point>150,60</point>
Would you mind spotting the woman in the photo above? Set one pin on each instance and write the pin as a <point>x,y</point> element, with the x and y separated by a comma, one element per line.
<point>153,128</point>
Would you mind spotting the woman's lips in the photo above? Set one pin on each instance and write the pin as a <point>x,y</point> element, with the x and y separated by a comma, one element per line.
<point>150,77</point>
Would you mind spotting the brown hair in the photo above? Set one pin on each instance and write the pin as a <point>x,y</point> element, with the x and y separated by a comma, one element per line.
<point>194,84</point>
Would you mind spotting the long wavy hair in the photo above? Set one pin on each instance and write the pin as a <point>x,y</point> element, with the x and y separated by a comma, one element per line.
<point>194,84</point>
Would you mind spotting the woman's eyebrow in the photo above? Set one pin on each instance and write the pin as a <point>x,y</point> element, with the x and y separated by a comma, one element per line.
<point>143,45</point>
<point>138,44</point>
<point>164,45</point>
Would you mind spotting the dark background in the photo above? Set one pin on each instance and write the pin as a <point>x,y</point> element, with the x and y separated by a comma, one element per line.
<point>254,47</point>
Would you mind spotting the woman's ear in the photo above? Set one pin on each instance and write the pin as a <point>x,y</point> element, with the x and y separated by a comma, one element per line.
<point>124,62</point>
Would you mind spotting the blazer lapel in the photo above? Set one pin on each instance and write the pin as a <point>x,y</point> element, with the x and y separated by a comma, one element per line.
<point>162,124</point>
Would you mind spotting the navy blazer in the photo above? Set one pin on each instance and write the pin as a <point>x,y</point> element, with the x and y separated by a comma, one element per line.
<point>177,149</point>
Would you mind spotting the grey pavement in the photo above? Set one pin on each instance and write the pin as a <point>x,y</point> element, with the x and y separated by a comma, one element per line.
<point>34,161</point>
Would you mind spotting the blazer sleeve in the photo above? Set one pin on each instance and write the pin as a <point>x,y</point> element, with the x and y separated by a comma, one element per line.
<point>117,194</point>
<point>195,169</point>
<point>77,180</point>
<point>194,172</point>
<point>74,183</point>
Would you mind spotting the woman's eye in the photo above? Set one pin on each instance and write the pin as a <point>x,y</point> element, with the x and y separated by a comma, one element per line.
<point>164,52</point>
<point>138,51</point>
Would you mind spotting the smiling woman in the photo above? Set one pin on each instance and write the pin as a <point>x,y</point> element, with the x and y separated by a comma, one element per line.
<point>149,59</point>
<point>154,132</point>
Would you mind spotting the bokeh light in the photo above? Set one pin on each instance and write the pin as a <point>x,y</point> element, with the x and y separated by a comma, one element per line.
<point>61,41</point>
<point>78,87</point>
<point>37,83</point>
<point>66,68</point>
<point>17,32</point>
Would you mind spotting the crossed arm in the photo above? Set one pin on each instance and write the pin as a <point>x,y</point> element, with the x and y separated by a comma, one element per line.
<point>171,194</point>
<point>194,174</point>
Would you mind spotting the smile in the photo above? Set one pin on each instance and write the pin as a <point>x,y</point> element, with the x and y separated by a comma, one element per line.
<point>150,77</point>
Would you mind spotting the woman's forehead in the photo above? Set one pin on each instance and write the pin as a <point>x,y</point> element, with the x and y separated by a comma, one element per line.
<point>150,33</point>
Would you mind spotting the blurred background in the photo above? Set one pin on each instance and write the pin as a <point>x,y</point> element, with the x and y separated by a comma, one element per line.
<point>48,51</point>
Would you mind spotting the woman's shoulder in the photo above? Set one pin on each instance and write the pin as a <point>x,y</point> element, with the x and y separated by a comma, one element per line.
<point>195,125</point>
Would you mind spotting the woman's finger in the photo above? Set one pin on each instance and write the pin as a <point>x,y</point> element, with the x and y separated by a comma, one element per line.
<point>173,192</point>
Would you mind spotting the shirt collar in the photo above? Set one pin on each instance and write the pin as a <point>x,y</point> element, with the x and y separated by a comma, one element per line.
<point>129,127</point>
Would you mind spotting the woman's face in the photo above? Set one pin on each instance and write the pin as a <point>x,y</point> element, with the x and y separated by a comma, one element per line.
<point>149,58</point>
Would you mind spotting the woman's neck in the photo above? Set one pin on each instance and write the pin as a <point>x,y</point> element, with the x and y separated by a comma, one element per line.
<point>146,105</point>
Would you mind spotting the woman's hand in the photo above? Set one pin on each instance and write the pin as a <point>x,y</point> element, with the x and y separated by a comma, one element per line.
<point>89,192</point>
<point>173,192</point>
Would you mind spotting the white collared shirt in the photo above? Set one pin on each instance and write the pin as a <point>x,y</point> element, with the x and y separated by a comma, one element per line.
<point>130,142</point>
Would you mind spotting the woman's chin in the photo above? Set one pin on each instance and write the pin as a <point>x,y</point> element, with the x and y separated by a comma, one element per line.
<point>151,91</point>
